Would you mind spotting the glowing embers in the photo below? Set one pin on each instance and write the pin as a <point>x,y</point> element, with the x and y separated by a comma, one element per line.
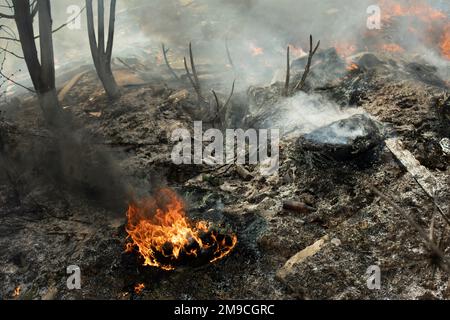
<point>160,232</point>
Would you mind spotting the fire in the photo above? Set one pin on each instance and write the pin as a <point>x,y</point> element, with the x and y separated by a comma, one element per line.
<point>416,8</point>
<point>256,51</point>
<point>352,66</point>
<point>297,52</point>
<point>139,288</point>
<point>345,49</point>
<point>16,292</point>
<point>392,47</point>
<point>445,43</point>
<point>433,22</point>
<point>160,231</point>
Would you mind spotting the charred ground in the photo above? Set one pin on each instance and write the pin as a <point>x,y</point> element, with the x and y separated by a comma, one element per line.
<point>48,224</point>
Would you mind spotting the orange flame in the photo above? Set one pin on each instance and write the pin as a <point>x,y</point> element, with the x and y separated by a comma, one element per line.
<point>16,292</point>
<point>445,43</point>
<point>139,288</point>
<point>256,51</point>
<point>345,49</point>
<point>434,22</point>
<point>159,229</point>
<point>415,8</point>
<point>392,47</point>
<point>297,52</point>
<point>352,66</point>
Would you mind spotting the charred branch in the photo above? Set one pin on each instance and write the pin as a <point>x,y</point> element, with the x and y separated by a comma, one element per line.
<point>230,59</point>
<point>288,73</point>
<point>193,76</point>
<point>312,52</point>
<point>220,109</point>
<point>166,59</point>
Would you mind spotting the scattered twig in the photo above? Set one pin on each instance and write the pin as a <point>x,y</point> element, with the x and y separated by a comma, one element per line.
<point>422,233</point>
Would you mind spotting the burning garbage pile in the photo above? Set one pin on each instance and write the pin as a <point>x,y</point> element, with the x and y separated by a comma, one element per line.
<point>163,237</point>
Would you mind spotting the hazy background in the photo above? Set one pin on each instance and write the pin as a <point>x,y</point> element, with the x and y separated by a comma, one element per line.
<point>257,31</point>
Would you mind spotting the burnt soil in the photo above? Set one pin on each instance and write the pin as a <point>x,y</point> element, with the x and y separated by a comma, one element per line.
<point>48,224</point>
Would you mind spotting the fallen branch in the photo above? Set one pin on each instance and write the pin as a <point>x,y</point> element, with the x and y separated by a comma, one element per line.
<point>421,175</point>
<point>72,82</point>
<point>298,207</point>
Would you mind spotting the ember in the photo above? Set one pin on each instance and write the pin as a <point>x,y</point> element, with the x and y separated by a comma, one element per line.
<point>139,288</point>
<point>160,231</point>
<point>16,292</point>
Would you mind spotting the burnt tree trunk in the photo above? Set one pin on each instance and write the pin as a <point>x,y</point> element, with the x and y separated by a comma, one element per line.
<point>100,54</point>
<point>42,72</point>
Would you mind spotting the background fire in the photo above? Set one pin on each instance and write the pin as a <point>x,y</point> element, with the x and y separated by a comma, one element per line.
<point>165,238</point>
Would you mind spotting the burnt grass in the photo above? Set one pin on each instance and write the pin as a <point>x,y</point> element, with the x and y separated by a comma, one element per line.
<point>48,223</point>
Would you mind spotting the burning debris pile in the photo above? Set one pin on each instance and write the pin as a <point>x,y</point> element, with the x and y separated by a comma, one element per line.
<point>164,237</point>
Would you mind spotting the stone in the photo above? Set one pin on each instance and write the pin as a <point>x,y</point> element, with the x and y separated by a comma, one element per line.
<point>343,140</point>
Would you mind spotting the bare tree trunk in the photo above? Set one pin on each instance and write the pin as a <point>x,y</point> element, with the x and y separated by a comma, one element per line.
<point>42,72</point>
<point>102,57</point>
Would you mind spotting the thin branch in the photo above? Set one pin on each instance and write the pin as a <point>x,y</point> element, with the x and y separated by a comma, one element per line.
<point>66,23</point>
<point>16,83</point>
<point>288,73</point>
<point>6,16</point>
<point>422,233</point>
<point>188,73</point>
<point>194,71</point>
<point>193,77</point>
<point>165,51</point>
<point>225,106</point>
<point>312,52</point>
<point>11,53</point>
<point>230,59</point>
<point>111,30</point>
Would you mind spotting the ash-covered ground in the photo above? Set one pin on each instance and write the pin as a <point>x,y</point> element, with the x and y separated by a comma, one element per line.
<point>48,224</point>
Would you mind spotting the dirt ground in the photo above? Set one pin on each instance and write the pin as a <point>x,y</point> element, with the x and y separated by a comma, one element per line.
<point>47,225</point>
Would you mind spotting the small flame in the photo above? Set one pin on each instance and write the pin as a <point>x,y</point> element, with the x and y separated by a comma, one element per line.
<point>159,229</point>
<point>297,52</point>
<point>445,43</point>
<point>345,49</point>
<point>256,51</point>
<point>139,288</point>
<point>352,66</point>
<point>392,47</point>
<point>16,292</point>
